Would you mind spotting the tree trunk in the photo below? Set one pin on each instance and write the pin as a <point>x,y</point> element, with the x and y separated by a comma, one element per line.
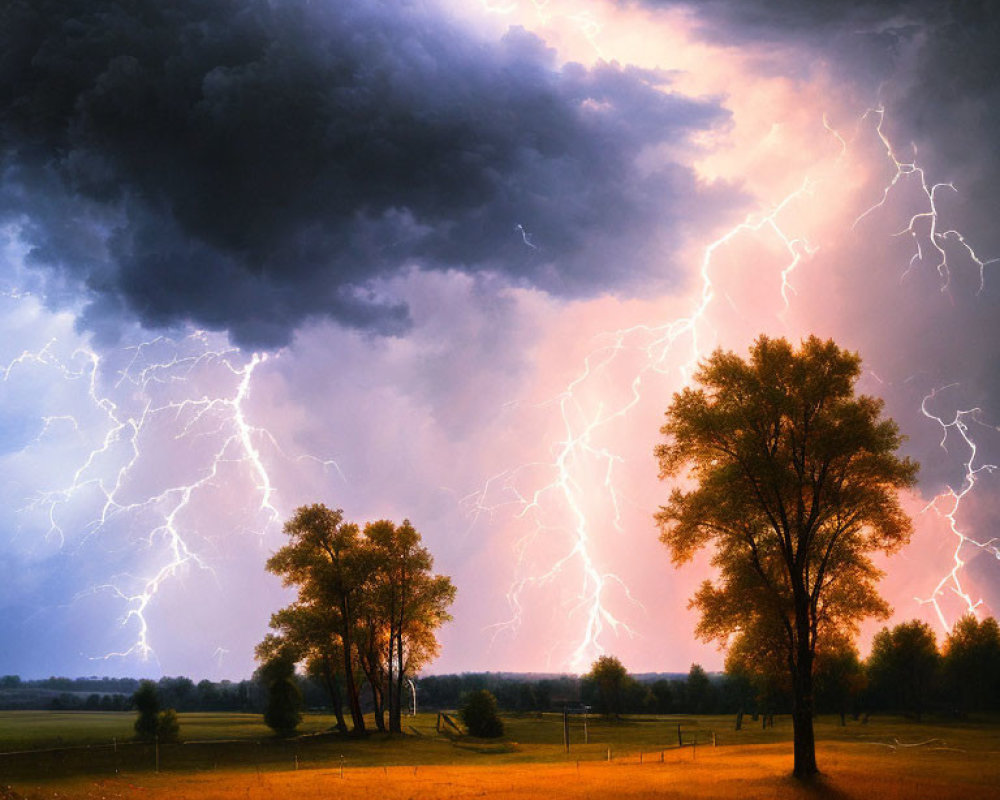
<point>333,689</point>
<point>353,701</point>
<point>368,658</point>
<point>394,726</point>
<point>399,618</point>
<point>377,702</point>
<point>804,740</point>
<point>400,677</point>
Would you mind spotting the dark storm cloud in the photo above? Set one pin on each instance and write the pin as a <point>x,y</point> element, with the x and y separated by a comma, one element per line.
<point>244,166</point>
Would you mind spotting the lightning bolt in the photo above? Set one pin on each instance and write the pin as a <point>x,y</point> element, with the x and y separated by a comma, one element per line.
<point>148,397</point>
<point>580,467</point>
<point>948,503</point>
<point>925,229</point>
<point>928,218</point>
<point>525,236</point>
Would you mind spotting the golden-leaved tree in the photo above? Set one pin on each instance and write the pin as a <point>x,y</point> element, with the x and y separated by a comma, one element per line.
<point>367,602</point>
<point>793,479</point>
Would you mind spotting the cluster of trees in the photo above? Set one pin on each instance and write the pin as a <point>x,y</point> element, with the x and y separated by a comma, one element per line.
<point>610,690</point>
<point>367,610</point>
<point>696,692</point>
<point>514,692</point>
<point>906,673</point>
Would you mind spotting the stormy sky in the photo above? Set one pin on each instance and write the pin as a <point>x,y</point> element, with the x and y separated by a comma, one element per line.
<point>449,261</point>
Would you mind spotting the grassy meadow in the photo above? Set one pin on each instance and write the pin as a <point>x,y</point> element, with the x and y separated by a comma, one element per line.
<point>230,756</point>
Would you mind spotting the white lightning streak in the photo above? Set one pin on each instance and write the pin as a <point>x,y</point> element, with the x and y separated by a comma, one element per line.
<point>152,400</point>
<point>928,217</point>
<point>947,504</point>
<point>576,453</point>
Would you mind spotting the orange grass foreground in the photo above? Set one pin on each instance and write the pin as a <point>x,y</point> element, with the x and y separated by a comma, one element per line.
<point>757,771</point>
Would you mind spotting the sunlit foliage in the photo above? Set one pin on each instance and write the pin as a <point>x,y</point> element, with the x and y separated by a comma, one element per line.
<point>793,480</point>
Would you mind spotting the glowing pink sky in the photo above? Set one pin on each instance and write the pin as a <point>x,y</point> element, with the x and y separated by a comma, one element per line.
<point>512,419</point>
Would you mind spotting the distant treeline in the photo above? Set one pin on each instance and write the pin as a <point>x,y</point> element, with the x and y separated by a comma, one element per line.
<point>906,672</point>
<point>115,694</point>
<point>515,692</point>
<point>695,693</point>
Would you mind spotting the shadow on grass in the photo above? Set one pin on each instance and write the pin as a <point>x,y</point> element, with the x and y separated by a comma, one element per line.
<point>817,787</point>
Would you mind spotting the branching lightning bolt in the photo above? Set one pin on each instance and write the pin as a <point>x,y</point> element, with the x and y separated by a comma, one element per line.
<point>220,417</point>
<point>577,452</point>
<point>948,503</point>
<point>578,448</point>
<point>928,217</point>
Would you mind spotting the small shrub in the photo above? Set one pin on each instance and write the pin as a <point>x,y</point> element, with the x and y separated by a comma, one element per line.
<point>168,728</point>
<point>284,700</point>
<point>481,716</point>
<point>147,703</point>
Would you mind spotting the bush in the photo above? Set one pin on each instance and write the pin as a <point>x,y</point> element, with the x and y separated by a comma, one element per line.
<point>147,703</point>
<point>284,700</point>
<point>480,715</point>
<point>168,728</point>
<point>153,723</point>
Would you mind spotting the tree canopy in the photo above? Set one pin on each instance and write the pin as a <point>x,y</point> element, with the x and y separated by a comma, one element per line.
<point>972,663</point>
<point>610,678</point>
<point>793,480</point>
<point>903,666</point>
<point>367,602</point>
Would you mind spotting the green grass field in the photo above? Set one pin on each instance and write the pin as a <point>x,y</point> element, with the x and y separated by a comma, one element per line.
<point>69,753</point>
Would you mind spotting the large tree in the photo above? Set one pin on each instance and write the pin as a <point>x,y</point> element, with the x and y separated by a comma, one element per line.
<point>794,480</point>
<point>408,604</point>
<point>327,563</point>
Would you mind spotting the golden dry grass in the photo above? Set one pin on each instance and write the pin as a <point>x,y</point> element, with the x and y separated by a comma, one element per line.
<point>754,771</point>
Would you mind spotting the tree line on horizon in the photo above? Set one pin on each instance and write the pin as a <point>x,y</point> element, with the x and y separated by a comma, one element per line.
<point>907,672</point>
